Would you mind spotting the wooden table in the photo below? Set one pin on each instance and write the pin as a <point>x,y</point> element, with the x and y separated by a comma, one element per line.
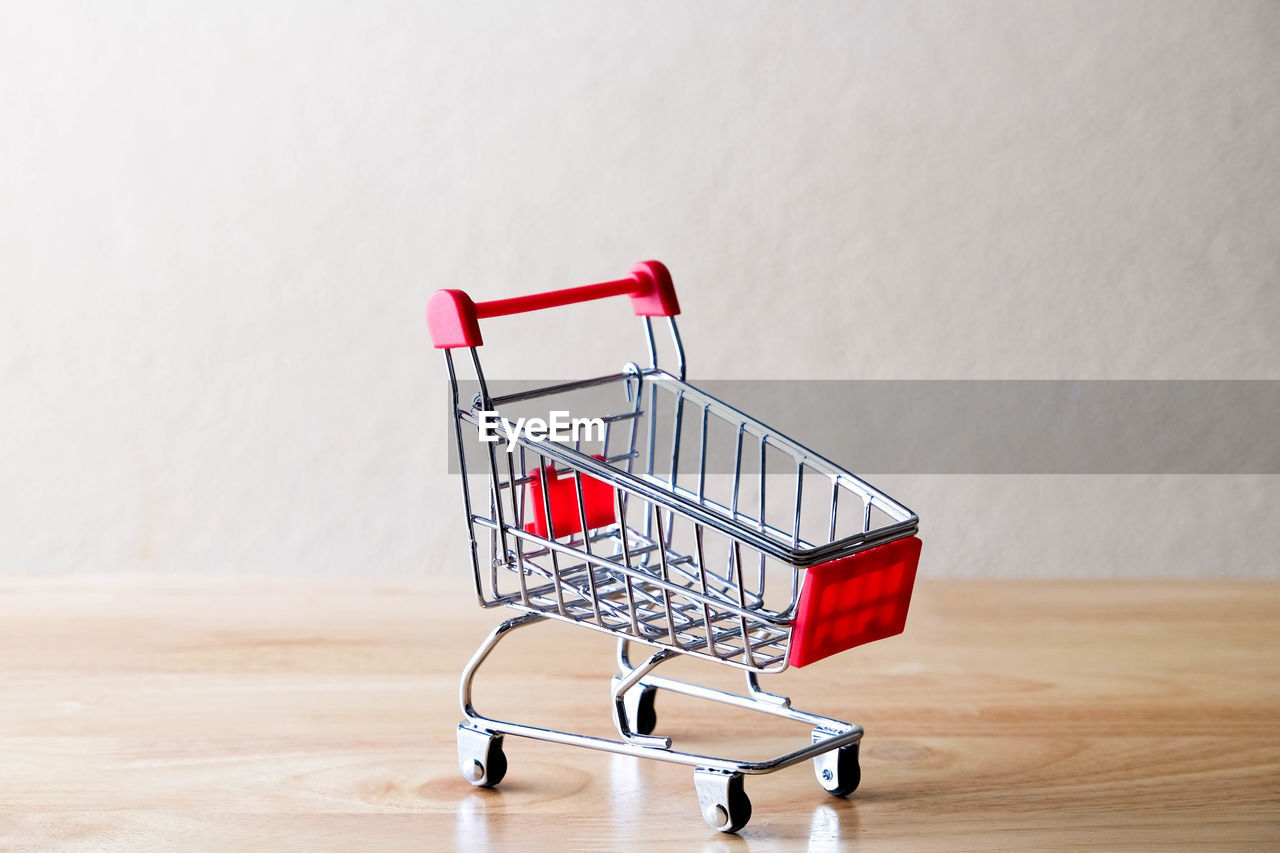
<point>252,713</point>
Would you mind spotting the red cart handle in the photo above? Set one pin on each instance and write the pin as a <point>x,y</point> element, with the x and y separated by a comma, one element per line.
<point>454,320</point>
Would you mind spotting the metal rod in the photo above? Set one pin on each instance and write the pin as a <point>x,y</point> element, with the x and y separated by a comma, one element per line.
<point>551,533</point>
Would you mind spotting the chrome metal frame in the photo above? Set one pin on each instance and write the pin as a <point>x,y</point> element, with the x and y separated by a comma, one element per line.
<point>652,575</point>
<point>828,734</point>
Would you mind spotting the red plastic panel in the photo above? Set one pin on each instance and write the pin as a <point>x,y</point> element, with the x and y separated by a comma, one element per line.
<point>854,600</point>
<point>597,499</point>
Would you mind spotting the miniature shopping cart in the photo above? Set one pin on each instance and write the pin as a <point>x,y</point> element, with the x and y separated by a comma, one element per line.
<point>678,523</point>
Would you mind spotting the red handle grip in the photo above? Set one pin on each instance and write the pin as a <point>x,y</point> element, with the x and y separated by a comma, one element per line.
<point>454,320</point>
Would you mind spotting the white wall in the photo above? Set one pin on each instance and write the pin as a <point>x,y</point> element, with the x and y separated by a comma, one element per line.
<point>220,222</point>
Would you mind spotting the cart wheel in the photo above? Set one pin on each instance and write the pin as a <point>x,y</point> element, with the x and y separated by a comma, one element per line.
<point>725,805</point>
<point>644,718</point>
<point>480,757</point>
<point>838,771</point>
<point>638,701</point>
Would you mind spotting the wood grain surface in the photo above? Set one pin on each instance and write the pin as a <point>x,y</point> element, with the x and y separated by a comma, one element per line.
<point>240,713</point>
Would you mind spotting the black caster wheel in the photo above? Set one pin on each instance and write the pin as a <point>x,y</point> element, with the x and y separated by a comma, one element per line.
<point>480,757</point>
<point>638,701</point>
<point>838,771</point>
<point>724,803</point>
<point>644,718</point>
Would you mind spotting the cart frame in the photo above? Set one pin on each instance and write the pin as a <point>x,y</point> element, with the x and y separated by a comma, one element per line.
<point>644,589</point>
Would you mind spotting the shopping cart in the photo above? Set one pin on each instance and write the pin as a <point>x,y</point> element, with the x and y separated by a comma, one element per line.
<point>686,526</point>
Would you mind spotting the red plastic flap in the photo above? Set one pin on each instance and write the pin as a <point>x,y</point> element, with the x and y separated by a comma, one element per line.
<point>597,500</point>
<point>854,600</point>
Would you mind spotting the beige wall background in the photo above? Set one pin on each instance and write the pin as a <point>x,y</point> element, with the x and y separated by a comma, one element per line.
<point>220,222</point>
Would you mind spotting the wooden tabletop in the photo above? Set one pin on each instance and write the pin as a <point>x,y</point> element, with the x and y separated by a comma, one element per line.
<point>251,713</point>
